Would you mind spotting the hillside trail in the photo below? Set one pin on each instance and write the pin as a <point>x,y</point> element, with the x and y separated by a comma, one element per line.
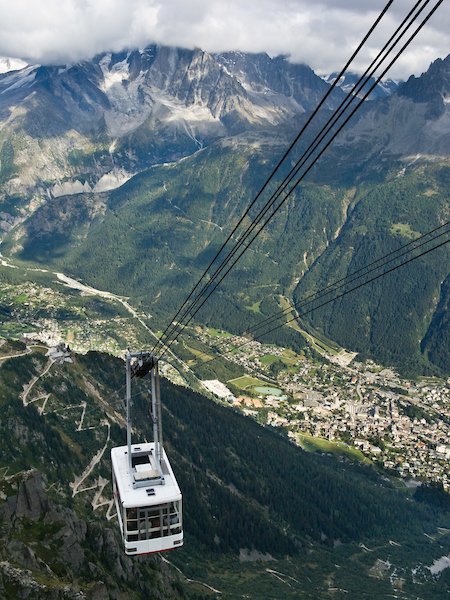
<point>75,485</point>
<point>28,387</point>
<point>98,501</point>
<point>101,483</point>
<point>164,559</point>
<point>27,351</point>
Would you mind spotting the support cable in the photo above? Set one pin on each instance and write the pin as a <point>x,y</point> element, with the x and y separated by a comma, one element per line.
<point>274,210</point>
<point>166,332</point>
<point>351,277</point>
<point>361,284</point>
<point>353,289</point>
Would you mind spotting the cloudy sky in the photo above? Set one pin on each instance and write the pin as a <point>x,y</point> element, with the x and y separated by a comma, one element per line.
<point>320,33</point>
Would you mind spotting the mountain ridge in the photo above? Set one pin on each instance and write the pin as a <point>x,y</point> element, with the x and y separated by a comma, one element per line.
<point>153,106</point>
<point>169,221</point>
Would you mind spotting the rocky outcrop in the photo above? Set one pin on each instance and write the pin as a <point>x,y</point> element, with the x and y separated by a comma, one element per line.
<point>30,502</point>
<point>412,122</point>
<point>31,510</point>
<point>67,127</point>
<point>47,551</point>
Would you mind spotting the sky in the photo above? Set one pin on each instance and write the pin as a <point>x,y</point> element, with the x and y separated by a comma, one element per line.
<point>319,33</point>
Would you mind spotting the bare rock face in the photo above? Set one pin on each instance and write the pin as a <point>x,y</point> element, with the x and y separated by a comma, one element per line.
<point>412,121</point>
<point>71,536</point>
<point>22,554</point>
<point>23,585</point>
<point>31,515</point>
<point>30,503</point>
<point>119,113</point>
<point>42,541</point>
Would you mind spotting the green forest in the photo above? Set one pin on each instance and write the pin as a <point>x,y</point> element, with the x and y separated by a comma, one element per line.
<point>394,318</point>
<point>161,230</point>
<point>245,487</point>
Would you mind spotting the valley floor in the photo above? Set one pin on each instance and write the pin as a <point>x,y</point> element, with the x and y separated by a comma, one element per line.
<point>326,401</point>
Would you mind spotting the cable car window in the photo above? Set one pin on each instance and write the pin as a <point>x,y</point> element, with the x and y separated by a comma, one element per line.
<point>175,521</point>
<point>132,524</point>
<point>144,523</point>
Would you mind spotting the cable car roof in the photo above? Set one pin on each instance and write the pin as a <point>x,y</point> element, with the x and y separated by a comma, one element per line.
<point>151,494</point>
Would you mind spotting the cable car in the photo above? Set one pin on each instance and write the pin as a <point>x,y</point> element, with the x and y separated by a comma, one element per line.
<point>146,494</point>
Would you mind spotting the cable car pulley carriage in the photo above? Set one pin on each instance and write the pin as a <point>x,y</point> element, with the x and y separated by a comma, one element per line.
<point>146,494</point>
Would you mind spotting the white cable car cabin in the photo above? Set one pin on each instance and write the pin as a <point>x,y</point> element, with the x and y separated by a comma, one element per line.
<point>146,494</point>
<point>150,518</point>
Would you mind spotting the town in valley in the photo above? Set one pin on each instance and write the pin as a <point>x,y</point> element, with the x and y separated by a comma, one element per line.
<point>323,398</point>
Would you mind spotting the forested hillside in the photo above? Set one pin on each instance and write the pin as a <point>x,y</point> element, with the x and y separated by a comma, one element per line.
<point>246,489</point>
<point>393,318</point>
<point>157,233</point>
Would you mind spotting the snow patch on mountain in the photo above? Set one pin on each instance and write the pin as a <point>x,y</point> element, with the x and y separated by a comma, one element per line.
<point>119,72</point>
<point>439,565</point>
<point>112,180</point>
<point>18,79</point>
<point>11,64</point>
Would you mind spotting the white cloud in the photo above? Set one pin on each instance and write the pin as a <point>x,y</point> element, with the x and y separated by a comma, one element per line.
<point>322,34</point>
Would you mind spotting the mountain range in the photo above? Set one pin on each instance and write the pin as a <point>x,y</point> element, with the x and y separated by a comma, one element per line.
<point>148,158</point>
<point>118,114</point>
<point>128,172</point>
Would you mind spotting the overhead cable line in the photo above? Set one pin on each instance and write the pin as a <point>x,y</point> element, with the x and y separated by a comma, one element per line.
<point>201,297</point>
<point>167,331</point>
<point>358,274</point>
<point>269,321</point>
<point>283,186</point>
<point>417,9</point>
<point>362,284</point>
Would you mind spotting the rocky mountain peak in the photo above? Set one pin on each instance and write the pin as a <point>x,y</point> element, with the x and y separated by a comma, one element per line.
<point>138,108</point>
<point>278,79</point>
<point>413,121</point>
<point>11,64</point>
<point>346,83</point>
<point>433,83</point>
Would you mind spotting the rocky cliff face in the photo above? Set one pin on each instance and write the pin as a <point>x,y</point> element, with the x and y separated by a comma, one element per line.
<point>48,552</point>
<point>382,90</point>
<point>278,84</point>
<point>128,111</point>
<point>412,122</point>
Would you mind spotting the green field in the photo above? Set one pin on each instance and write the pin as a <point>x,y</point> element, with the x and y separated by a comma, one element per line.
<point>14,331</point>
<point>218,333</point>
<point>246,382</point>
<point>268,359</point>
<point>404,229</point>
<point>312,444</point>
<point>255,307</point>
<point>199,354</point>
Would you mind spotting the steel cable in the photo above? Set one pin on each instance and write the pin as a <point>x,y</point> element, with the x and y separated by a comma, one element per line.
<point>314,145</point>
